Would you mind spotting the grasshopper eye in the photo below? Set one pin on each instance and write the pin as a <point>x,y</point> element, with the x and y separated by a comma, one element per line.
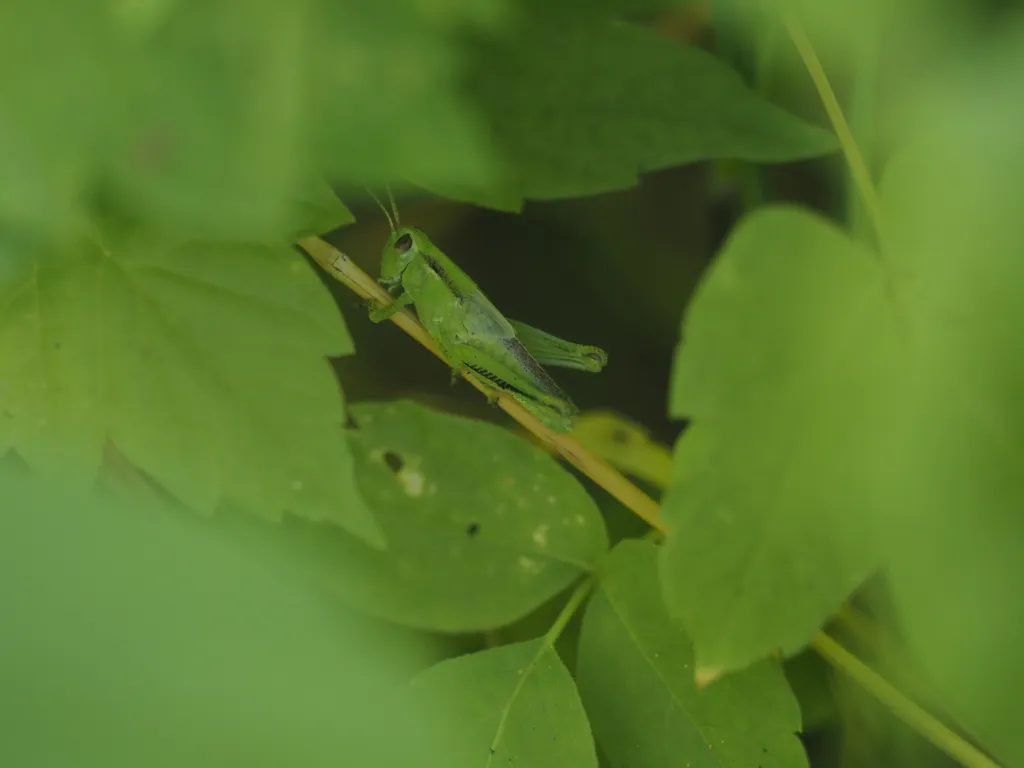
<point>404,243</point>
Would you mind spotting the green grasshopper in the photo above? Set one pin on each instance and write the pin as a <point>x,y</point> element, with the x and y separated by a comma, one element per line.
<point>473,335</point>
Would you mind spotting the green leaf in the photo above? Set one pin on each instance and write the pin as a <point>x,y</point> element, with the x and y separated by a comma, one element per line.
<point>786,350</point>
<point>482,527</point>
<point>204,117</point>
<point>134,637</point>
<point>579,108</point>
<point>636,677</point>
<point>187,114</point>
<point>954,494</point>
<point>611,8</point>
<point>811,679</point>
<point>316,210</point>
<point>391,93</point>
<point>203,364</point>
<point>517,705</point>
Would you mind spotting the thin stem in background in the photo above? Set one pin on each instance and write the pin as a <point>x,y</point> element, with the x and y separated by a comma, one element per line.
<point>861,109</point>
<point>907,711</point>
<point>858,168</point>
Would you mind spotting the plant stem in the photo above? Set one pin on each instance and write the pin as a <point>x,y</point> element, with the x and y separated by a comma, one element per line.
<point>858,168</point>
<point>907,711</point>
<point>576,599</point>
<point>755,191</point>
<point>862,115</point>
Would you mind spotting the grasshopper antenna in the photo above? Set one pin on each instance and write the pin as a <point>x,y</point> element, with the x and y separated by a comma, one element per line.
<point>394,208</point>
<point>387,215</point>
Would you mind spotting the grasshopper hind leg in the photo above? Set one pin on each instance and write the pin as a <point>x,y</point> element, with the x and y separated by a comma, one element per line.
<point>558,419</point>
<point>548,349</point>
<point>556,413</point>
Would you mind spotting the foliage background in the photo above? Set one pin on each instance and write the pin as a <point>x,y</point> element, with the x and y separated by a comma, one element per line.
<point>594,166</point>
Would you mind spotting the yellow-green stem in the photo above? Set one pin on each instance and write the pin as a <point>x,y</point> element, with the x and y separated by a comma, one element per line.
<point>858,168</point>
<point>907,711</point>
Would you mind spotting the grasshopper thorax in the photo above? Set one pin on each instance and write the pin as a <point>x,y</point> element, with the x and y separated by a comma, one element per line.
<point>401,248</point>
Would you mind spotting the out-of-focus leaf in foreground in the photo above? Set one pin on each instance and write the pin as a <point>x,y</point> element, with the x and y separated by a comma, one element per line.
<point>782,366</point>
<point>204,364</point>
<point>133,637</point>
<point>828,401</point>
<point>316,210</point>
<point>481,526</point>
<point>209,117</point>
<point>955,490</point>
<point>636,677</point>
<point>515,705</point>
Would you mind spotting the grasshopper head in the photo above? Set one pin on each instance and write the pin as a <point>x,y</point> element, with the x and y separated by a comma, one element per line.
<point>400,249</point>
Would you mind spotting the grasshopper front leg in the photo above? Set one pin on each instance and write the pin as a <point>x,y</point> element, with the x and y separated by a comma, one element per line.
<point>380,314</point>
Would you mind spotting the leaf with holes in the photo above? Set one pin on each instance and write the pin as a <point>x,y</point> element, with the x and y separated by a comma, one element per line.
<point>786,353</point>
<point>482,527</point>
<point>636,677</point>
<point>203,364</point>
<point>517,705</point>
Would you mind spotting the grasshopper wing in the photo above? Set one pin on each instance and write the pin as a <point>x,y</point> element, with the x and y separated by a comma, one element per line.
<point>490,347</point>
<point>481,318</point>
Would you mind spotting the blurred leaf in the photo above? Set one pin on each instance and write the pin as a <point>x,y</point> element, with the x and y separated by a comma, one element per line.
<point>517,705</point>
<point>204,364</point>
<point>810,678</point>
<point>133,637</point>
<point>317,211</point>
<point>785,353</point>
<point>625,445</point>
<point>50,72</point>
<point>579,108</point>
<point>204,117</point>
<point>389,89</point>
<point>611,8</point>
<point>482,527</point>
<point>954,494</point>
<point>636,677</point>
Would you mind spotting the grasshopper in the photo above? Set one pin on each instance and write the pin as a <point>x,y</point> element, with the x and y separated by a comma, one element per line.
<point>473,335</point>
